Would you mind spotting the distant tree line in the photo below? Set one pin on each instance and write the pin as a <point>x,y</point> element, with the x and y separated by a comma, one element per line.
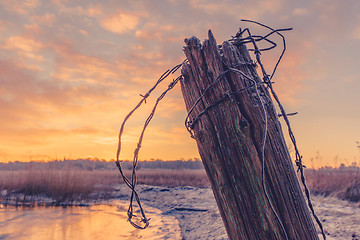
<point>96,164</point>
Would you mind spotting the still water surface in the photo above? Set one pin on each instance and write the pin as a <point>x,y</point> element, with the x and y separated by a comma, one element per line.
<point>95,222</point>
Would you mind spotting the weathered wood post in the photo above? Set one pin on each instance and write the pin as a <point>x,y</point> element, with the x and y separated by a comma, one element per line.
<point>228,126</point>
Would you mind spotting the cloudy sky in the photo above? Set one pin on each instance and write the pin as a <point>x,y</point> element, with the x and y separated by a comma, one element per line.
<point>70,71</point>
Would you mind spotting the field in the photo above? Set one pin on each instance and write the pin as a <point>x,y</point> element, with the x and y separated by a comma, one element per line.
<point>343,182</point>
<point>78,183</point>
<point>70,185</point>
<point>74,183</point>
<point>71,181</point>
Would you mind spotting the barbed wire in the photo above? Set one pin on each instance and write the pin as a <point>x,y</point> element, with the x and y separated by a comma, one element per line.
<point>189,126</point>
<point>132,183</point>
<point>237,40</point>
<point>267,79</point>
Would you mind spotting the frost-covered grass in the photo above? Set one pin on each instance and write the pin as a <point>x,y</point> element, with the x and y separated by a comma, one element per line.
<point>76,184</point>
<point>68,184</point>
<point>343,182</point>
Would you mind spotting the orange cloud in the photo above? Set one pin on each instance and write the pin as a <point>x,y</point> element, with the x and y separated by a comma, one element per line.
<point>176,139</point>
<point>66,87</point>
<point>73,66</point>
<point>94,11</point>
<point>22,43</point>
<point>120,23</point>
<point>26,100</point>
<point>172,106</point>
<point>289,79</point>
<point>24,47</point>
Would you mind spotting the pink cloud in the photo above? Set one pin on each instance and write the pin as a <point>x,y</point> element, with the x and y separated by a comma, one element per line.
<point>19,6</point>
<point>22,43</point>
<point>2,26</point>
<point>120,22</point>
<point>83,32</point>
<point>62,73</point>
<point>45,19</point>
<point>31,3</point>
<point>161,33</point>
<point>70,8</point>
<point>33,28</point>
<point>300,12</point>
<point>356,32</point>
<point>73,66</point>
<point>94,11</point>
<point>35,100</point>
<point>248,9</point>
<point>25,47</point>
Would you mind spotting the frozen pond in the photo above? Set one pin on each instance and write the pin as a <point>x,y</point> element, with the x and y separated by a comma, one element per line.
<point>94,222</point>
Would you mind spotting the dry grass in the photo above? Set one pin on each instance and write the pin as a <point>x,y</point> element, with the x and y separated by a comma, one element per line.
<point>69,185</point>
<point>173,178</point>
<point>343,183</point>
<point>61,185</point>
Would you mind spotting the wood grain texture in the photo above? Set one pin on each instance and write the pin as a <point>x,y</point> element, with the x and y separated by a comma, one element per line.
<point>229,139</point>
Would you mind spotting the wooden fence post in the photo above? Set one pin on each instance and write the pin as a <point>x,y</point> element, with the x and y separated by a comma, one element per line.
<point>228,125</point>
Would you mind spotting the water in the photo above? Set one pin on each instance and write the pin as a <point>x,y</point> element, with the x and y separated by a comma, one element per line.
<point>94,222</point>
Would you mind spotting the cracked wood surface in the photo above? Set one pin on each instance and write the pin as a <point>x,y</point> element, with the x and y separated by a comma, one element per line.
<point>229,138</point>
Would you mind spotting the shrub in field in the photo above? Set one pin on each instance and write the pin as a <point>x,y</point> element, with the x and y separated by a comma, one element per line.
<point>173,178</point>
<point>343,182</point>
<point>68,184</point>
<point>61,185</point>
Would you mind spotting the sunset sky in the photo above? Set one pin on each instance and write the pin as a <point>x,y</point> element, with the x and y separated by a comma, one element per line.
<point>71,70</point>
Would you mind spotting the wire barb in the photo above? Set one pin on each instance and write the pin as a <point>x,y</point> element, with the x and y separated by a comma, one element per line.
<point>131,183</point>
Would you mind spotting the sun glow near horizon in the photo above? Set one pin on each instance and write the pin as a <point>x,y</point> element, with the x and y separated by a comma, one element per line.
<point>71,71</point>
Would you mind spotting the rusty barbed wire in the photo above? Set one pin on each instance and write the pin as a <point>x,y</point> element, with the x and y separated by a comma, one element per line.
<point>267,79</point>
<point>228,95</point>
<point>189,126</point>
<point>237,40</point>
<point>132,183</point>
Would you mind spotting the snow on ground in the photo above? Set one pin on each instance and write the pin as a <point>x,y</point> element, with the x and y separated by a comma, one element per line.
<point>340,219</point>
<point>191,213</point>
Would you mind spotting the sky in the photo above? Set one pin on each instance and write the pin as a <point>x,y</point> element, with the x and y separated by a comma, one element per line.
<point>70,71</point>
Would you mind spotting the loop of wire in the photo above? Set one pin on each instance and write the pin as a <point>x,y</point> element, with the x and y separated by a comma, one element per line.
<point>132,183</point>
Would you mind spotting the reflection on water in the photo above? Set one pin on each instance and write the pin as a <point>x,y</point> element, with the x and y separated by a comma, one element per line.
<point>95,222</point>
